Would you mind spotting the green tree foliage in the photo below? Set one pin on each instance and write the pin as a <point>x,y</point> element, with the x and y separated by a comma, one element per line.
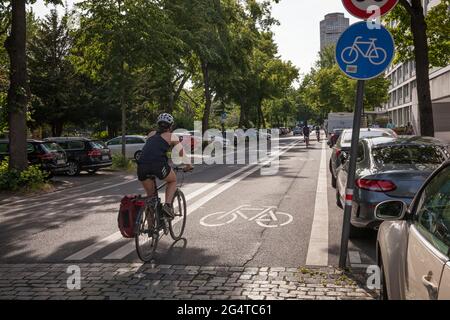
<point>57,90</point>
<point>326,89</point>
<point>438,31</point>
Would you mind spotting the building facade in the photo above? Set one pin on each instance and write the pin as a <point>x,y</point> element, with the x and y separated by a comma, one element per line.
<point>403,104</point>
<point>331,29</point>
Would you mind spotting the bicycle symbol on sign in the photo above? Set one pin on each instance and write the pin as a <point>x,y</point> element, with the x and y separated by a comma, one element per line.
<point>266,217</point>
<point>376,55</point>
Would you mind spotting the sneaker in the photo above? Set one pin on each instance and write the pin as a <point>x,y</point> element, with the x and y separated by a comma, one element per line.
<point>168,210</point>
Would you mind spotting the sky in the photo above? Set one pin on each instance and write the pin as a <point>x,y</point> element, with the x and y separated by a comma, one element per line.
<point>298,36</point>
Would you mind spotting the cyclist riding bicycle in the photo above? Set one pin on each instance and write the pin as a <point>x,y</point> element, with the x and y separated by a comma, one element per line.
<point>306,133</point>
<point>318,133</point>
<point>155,163</point>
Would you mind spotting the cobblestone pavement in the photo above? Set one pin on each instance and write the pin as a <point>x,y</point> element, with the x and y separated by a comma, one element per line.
<point>136,281</point>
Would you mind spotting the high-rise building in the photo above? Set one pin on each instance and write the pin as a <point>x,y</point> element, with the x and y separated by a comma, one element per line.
<point>403,106</point>
<point>331,29</point>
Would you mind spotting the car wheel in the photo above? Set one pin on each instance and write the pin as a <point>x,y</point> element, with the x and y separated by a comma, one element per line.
<point>333,181</point>
<point>73,169</point>
<point>138,155</point>
<point>338,200</point>
<point>356,232</point>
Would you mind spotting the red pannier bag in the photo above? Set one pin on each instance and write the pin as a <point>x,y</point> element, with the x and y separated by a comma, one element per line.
<point>128,213</point>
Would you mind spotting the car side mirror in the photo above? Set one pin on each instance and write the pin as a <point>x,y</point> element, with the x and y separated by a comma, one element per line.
<point>391,210</point>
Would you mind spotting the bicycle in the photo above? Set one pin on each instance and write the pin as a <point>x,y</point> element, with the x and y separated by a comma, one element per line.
<point>376,55</point>
<point>152,225</point>
<point>307,141</point>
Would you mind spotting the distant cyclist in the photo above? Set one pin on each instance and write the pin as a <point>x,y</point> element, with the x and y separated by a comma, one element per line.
<point>306,133</point>
<point>318,133</point>
<point>155,163</point>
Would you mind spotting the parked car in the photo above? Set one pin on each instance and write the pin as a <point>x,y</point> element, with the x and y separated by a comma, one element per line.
<point>49,156</point>
<point>297,131</point>
<point>84,154</point>
<point>134,146</point>
<point>188,140</point>
<point>387,169</point>
<point>344,142</point>
<point>413,244</point>
<point>334,136</point>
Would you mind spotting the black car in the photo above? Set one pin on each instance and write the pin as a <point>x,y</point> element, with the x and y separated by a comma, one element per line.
<point>84,154</point>
<point>49,156</point>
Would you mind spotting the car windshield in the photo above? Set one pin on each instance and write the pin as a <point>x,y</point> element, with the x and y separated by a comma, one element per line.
<point>347,138</point>
<point>417,154</point>
<point>52,147</point>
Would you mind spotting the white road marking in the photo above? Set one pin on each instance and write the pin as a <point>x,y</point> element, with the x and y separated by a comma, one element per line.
<point>86,252</point>
<point>128,248</point>
<point>318,242</point>
<point>116,236</point>
<point>46,203</point>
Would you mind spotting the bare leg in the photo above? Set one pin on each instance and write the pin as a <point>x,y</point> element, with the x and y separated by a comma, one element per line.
<point>149,186</point>
<point>171,186</point>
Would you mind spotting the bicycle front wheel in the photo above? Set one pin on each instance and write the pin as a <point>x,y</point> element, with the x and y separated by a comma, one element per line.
<point>177,225</point>
<point>146,235</point>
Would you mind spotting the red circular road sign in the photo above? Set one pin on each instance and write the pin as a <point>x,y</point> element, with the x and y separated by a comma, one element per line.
<point>358,8</point>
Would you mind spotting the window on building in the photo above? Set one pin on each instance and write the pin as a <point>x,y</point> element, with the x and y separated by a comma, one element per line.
<point>394,98</point>
<point>406,71</point>
<point>400,96</point>
<point>399,75</point>
<point>406,93</point>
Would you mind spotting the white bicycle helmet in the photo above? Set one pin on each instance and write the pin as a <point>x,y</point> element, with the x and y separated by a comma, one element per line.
<point>165,118</point>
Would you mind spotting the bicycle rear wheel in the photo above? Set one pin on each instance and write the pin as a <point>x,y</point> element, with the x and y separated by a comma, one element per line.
<point>147,235</point>
<point>177,225</point>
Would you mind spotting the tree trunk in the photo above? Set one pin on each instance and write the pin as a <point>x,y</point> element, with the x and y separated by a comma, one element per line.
<point>124,127</point>
<point>175,95</point>
<point>18,91</point>
<point>262,120</point>
<point>57,129</point>
<point>208,100</point>
<point>421,51</point>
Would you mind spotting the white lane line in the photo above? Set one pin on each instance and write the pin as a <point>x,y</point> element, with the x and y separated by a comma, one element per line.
<point>318,242</point>
<point>128,248</point>
<point>86,252</point>
<point>354,257</point>
<point>45,203</point>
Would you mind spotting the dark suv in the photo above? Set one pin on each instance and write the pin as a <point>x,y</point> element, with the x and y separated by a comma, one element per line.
<point>49,156</point>
<point>84,154</point>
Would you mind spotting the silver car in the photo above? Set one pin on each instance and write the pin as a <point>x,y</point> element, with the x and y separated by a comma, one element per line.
<point>387,169</point>
<point>413,245</point>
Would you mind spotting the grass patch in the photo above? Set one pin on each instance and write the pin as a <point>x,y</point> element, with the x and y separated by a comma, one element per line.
<point>121,163</point>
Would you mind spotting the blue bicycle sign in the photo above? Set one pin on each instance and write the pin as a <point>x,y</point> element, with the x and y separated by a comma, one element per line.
<point>364,53</point>
<point>376,55</point>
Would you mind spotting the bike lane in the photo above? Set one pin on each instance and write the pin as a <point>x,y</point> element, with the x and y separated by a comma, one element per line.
<point>238,227</point>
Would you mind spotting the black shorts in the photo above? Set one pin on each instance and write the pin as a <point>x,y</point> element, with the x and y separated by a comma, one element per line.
<point>149,170</point>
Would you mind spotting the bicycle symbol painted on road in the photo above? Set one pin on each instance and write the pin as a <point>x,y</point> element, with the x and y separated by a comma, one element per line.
<point>265,216</point>
<point>376,55</point>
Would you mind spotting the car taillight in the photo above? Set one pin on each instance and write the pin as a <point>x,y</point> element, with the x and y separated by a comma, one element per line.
<point>376,185</point>
<point>95,153</point>
<point>47,156</point>
<point>338,152</point>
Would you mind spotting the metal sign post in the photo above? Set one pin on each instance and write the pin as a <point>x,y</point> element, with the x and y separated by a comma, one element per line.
<point>363,52</point>
<point>351,174</point>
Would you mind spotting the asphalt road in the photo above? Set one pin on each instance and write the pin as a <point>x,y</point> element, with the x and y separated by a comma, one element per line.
<point>287,220</point>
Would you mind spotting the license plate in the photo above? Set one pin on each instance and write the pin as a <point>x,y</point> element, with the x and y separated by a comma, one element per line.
<point>105,158</point>
<point>60,162</point>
